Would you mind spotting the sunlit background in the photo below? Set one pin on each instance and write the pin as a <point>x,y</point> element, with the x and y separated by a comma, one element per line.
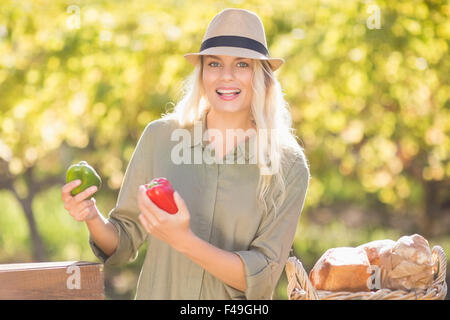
<point>367,83</point>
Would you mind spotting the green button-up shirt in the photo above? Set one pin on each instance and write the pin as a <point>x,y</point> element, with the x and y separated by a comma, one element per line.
<point>224,209</point>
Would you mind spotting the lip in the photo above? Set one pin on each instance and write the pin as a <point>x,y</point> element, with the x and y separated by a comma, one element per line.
<point>228,88</point>
<point>228,98</point>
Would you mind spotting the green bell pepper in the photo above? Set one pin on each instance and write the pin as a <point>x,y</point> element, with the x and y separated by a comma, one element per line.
<point>88,176</point>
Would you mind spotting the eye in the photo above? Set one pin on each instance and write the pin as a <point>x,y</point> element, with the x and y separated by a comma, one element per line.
<point>210,64</point>
<point>243,64</point>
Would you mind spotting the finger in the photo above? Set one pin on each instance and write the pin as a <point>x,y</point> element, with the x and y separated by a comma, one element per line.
<point>67,188</point>
<point>140,200</point>
<point>149,218</point>
<point>77,211</point>
<point>181,205</point>
<point>86,204</point>
<point>147,226</point>
<point>151,208</point>
<point>83,214</point>
<point>71,185</point>
<point>87,211</point>
<point>85,194</point>
<point>73,206</point>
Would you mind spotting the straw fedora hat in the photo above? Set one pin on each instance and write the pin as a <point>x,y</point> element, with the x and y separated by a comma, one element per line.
<point>235,32</point>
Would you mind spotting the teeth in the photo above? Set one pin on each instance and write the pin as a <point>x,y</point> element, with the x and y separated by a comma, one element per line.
<point>228,91</point>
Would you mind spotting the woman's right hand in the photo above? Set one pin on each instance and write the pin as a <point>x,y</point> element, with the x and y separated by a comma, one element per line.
<point>79,207</point>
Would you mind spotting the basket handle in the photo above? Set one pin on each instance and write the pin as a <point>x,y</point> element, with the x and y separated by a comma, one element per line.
<point>298,281</point>
<point>438,254</point>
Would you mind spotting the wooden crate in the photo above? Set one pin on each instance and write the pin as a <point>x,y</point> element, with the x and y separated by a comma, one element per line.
<point>65,280</point>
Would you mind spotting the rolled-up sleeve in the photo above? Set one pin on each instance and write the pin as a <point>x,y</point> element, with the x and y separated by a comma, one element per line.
<point>265,259</point>
<point>124,216</point>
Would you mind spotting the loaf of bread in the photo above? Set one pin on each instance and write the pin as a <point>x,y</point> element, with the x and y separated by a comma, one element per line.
<point>342,269</point>
<point>409,265</point>
<point>375,249</point>
<point>404,264</point>
<point>414,248</point>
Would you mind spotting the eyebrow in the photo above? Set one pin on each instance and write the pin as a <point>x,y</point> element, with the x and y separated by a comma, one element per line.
<point>216,57</point>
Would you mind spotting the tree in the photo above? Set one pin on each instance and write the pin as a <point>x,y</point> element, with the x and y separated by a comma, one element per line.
<point>367,83</point>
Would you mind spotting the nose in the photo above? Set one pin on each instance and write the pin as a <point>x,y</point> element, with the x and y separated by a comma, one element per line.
<point>227,73</point>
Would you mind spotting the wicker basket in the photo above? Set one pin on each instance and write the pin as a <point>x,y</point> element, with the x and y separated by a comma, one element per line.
<point>300,288</point>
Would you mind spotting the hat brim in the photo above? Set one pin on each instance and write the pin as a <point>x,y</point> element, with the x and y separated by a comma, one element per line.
<point>194,58</point>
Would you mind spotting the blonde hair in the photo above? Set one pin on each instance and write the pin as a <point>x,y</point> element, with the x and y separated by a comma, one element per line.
<point>270,112</point>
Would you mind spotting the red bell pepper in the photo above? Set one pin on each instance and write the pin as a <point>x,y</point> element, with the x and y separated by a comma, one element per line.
<point>160,191</point>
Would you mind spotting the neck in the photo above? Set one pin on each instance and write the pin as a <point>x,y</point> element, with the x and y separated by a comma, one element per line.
<point>227,120</point>
<point>224,121</point>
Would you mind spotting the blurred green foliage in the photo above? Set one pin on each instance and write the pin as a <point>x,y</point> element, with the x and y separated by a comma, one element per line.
<point>367,82</point>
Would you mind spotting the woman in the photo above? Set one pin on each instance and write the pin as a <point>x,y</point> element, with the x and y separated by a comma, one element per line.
<point>236,220</point>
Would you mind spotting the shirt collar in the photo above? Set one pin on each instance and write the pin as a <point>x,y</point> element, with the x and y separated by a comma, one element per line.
<point>196,130</point>
<point>243,149</point>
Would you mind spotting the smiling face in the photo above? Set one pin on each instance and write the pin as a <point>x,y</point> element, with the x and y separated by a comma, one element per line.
<point>227,81</point>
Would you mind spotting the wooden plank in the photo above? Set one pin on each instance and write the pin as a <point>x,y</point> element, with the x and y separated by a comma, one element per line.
<point>40,265</point>
<point>64,280</point>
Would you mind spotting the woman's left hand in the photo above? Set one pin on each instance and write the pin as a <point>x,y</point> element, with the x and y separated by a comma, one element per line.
<point>170,228</point>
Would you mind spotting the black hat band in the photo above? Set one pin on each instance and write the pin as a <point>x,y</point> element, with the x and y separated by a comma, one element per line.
<point>234,41</point>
